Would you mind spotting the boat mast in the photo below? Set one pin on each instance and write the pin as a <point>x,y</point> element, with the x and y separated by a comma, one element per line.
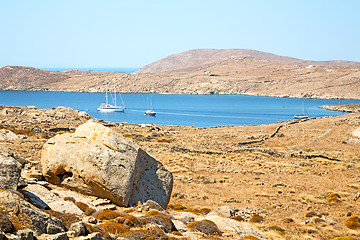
<point>114,93</point>
<point>106,95</point>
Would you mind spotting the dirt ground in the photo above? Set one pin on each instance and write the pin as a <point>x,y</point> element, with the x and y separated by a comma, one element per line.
<point>302,177</point>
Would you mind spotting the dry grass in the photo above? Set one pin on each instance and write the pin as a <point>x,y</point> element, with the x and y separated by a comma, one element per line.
<point>353,222</point>
<point>114,228</point>
<point>66,218</point>
<point>107,215</point>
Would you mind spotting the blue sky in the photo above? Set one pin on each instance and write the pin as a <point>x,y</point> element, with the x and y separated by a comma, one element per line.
<point>133,33</point>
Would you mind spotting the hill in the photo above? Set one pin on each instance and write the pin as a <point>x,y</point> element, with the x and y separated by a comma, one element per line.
<point>206,72</point>
<point>197,57</point>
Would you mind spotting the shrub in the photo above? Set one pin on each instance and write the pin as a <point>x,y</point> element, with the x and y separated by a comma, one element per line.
<point>82,206</point>
<point>333,197</point>
<point>89,211</point>
<point>163,221</point>
<point>128,220</point>
<point>343,238</point>
<point>353,222</point>
<point>256,218</point>
<point>237,218</point>
<point>249,237</point>
<point>152,234</point>
<point>176,207</point>
<point>114,228</point>
<point>91,228</point>
<point>205,226</point>
<point>107,215</point>
<point>275,228</point>
<point>66,218</point>
<point>71,199</point>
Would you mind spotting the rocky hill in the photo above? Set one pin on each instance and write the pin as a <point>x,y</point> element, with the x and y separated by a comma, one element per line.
<point>198,57</point>
<point>206,72</point>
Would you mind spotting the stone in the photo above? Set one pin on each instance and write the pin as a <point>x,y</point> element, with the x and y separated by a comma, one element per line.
<point>97,161</point>
<point>153,205</point>
<point>92,236</point>
<point>28,216</point>
<point>7,135</point>
<point>10,171</point>
<point>46,199</point>
<point>2,235</point>
<point>79,229</point>
<point>205,226</point>
<point>25,234</point>
<point>5,223</point>
<point>58,236</point>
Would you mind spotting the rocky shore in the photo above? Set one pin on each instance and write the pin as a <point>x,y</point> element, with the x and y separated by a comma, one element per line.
<point>349,108</point>
<point>68,176</point>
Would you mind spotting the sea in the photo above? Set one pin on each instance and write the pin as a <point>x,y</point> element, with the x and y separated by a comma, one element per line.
<point>184,110</point>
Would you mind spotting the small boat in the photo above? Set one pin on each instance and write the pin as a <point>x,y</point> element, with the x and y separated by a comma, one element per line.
<point>150,112</point>
<point>107,107</point>
<point>301,116</point>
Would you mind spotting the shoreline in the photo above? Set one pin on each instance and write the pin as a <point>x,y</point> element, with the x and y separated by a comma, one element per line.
<point>167,93</point>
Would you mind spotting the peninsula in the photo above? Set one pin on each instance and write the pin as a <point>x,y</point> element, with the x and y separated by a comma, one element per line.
<point>206,71</point>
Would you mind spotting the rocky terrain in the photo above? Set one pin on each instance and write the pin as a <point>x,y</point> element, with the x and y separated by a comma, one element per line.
<point>206,71</point>
<point>287,180</point>
<point>351,108</point>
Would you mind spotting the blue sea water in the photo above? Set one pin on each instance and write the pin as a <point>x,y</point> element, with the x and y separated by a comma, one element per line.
<point>184,110</point>
<point>122,70</point>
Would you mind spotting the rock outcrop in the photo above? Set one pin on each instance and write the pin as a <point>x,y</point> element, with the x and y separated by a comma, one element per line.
<point>25,215</point>
<point>10,171</point>
<point>96,161</point>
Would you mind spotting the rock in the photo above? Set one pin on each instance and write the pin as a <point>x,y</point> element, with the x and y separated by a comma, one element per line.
<point>232,225</point>
<point>2,235</point>
<point>153,205</point>
<point>5,224</point>
<point>84,115</point>
<point>7,153</point>
<point>97,161</point>
<point>79,229</point>
<point>7,135</point>
<point>40,196</point>
<point>224,211</point>
<point>163,222</point>
<point>28,216</point>
<point>205,226</point>
<point>58,236</point>
<point>25,234</point>
<point>10,171</point>
<point>92,236</point>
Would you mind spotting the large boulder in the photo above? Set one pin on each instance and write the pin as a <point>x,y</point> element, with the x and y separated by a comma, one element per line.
<point>10,171</point>
<point>95,160</point>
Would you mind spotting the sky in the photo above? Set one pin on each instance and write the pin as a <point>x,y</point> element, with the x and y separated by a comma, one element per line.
<point>133,33</point>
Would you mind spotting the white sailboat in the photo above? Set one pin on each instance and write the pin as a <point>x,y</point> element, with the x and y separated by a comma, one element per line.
<point>107,107</point>
<point>301,116</point>
<point>150,112</point>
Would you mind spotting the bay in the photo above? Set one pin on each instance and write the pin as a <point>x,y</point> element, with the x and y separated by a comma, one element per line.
<point>184,110</point>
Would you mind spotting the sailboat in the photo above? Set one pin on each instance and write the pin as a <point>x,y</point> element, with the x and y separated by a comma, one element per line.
<point>107,107</point>
<point>150,112</point>
<point>301,116</point>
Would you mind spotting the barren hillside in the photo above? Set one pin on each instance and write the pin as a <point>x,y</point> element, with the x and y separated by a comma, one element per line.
<point>197,57</point>
<point>209,72</point>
